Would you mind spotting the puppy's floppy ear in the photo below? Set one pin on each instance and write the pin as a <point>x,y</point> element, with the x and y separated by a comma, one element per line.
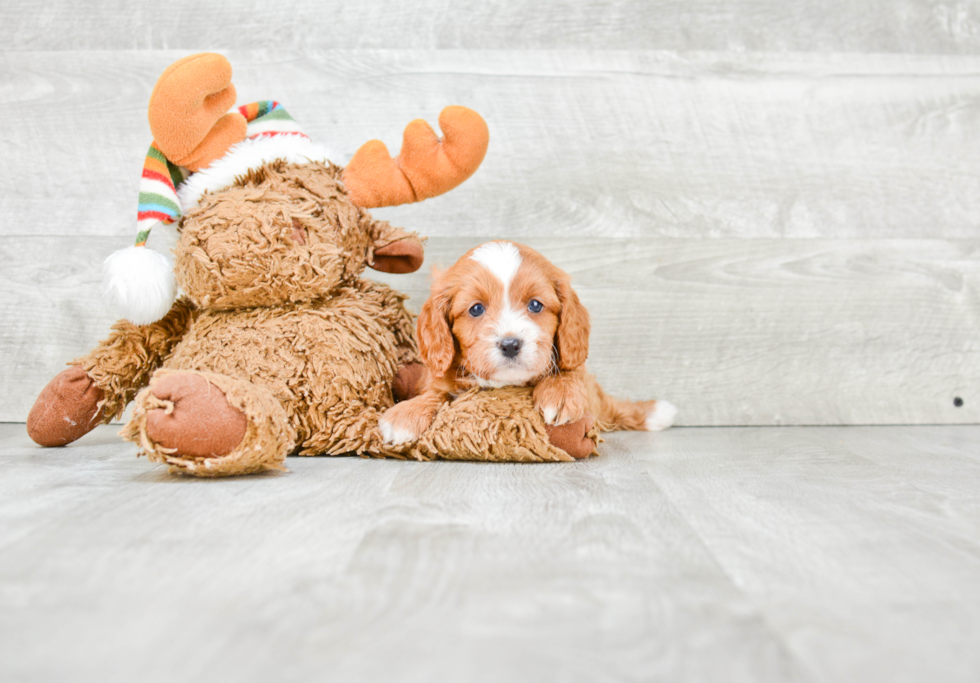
<point>572,337</point>
<point>436,343</point>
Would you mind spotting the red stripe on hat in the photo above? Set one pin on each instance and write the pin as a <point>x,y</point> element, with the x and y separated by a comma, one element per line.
<point>274,133</point>
<point>153,175</point>
<point>159,215</point>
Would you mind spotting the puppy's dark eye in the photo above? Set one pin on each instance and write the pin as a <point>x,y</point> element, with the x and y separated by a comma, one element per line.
<point>476,310</point>
<point>535,306</point>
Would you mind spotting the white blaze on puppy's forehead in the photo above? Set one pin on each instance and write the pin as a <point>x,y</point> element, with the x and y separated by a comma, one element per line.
<point>500,258</point>
<point>504,260</point>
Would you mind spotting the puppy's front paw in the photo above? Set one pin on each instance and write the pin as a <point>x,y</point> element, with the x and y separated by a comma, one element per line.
<point>559,402</point>
<point>403,424</point>
<point>394,435</point>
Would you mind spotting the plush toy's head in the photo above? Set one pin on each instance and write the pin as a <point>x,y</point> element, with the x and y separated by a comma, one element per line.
<point>264,217</point>
<point>284,232</point>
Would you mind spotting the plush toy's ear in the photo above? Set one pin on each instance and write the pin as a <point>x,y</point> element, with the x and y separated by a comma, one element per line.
<point>394,250</point>
<point>187,111</point>
<point>426,166</point>
<point>436,344</point>
<point>572,338</point>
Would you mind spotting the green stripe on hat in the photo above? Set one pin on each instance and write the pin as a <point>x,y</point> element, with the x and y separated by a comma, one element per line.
<point>159,199</point>
<point>279,114</point>
<point>155,152</point>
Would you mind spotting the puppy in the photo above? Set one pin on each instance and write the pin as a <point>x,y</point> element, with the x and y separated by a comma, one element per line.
<point>503,315</point>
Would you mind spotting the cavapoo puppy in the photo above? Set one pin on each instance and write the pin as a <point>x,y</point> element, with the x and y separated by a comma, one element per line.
<point>504,315</point>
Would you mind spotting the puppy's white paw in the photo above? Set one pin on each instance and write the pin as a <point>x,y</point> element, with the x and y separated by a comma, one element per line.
<point>661,417</point>
<point>550,414</point>
<point>396,435</point>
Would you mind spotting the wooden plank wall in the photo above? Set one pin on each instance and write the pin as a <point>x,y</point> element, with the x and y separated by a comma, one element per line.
<point>770,207</point>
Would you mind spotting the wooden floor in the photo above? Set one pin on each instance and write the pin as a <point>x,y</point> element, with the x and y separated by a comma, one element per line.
<point>700,554</point>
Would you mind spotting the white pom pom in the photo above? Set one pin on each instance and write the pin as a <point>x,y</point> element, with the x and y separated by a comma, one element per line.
<point>139,283</point>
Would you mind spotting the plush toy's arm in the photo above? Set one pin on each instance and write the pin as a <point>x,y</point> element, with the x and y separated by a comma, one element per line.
<point>392,250</point>
<point>122,364</point>
<point>97,386</point>
<point>502,425</point>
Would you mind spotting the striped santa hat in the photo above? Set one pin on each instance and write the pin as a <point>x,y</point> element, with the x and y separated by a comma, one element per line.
<point>138,281</point>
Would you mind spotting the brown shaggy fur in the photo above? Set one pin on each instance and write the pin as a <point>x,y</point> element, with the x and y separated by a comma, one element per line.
<point>238,248</point>
<point>123,363</point>
<point>277,318</point>
<point>498,424</point>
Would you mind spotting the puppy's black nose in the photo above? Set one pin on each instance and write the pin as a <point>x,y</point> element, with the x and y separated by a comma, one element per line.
<point>510,347</point>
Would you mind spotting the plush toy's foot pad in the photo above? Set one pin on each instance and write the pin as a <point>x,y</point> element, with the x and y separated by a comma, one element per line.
<point>573,437</point>
<point>67,409</point>
<point>194,418</point>
<point>210,425</point>
<point>408,382</point>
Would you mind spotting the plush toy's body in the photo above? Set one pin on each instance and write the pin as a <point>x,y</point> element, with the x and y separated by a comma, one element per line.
<point>276,315</point>
<point>312,377</point>
<point>329,364</point>
<point>278,346</point>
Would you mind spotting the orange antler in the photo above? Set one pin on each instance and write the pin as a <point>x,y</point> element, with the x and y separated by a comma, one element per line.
<point>426,166</point>
<point>187,111</point>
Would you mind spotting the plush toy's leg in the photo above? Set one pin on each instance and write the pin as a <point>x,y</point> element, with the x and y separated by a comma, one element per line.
<point>98,386</point>
<point>67,409</point>
<point>210,425</point>
<point>573,437</point>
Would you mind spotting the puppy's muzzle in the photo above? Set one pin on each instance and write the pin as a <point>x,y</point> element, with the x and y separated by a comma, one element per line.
<point>510,347</point>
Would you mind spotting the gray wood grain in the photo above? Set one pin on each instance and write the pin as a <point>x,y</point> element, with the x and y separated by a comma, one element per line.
<point>860,545</point>
<point>922,26</point>
<point>583,143</point>
<point>735,332</point>
<point>792,554</point>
